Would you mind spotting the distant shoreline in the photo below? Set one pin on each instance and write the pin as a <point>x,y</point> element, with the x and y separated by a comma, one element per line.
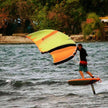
<point>14,40</point>
<point>22,39</point>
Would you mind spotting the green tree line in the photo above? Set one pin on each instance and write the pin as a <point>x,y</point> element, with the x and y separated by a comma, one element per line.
<point>64,15</point>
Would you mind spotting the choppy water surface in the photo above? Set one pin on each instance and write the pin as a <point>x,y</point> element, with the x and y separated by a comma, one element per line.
<point>28,79</point>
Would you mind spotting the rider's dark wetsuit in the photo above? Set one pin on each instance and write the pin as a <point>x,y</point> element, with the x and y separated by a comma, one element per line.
<point>83,60</point>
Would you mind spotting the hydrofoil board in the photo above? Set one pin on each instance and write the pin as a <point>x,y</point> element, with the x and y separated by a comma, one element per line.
<point>84,81</point>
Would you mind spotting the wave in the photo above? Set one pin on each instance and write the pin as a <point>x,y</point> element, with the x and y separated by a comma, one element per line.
<point>72,94</point>
<point>3,93</point>
<point>15,83</point>
<point>49,82</point>
<point>103,93</point>
<point>18,84</point>
<point>3,82</point>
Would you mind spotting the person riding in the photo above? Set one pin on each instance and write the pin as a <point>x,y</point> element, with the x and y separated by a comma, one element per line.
<point>83,61</point>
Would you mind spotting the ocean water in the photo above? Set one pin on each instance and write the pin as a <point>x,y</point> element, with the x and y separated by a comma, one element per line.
<point>28,79</point>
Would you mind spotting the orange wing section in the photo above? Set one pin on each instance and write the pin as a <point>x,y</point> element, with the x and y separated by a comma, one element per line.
<point>63,54</point>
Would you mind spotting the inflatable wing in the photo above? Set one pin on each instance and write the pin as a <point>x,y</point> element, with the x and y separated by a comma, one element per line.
<point>58,44</point>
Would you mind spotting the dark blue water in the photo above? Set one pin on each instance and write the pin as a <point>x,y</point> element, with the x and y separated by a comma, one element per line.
<point>28,79</point>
